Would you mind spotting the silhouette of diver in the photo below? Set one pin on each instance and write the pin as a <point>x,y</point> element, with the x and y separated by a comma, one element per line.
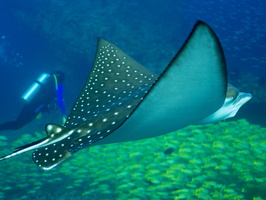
<point>42,96</point>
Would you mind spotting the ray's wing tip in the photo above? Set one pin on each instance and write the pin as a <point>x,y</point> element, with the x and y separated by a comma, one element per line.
<point>200,22</point>
<point>102,41</point>
<point>203,25</point>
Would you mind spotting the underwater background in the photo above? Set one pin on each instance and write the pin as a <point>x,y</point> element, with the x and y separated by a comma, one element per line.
<point>226,160</point>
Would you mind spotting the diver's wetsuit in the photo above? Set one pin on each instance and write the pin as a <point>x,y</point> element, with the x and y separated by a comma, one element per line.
<point>40,103</point>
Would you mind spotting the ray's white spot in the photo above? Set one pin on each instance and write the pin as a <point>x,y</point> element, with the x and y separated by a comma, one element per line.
<point>49,127</point>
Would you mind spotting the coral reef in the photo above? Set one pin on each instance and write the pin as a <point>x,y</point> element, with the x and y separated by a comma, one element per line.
<point>220,161</point>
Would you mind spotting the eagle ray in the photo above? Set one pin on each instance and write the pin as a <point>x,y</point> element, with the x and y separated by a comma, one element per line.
<point>124,101</point>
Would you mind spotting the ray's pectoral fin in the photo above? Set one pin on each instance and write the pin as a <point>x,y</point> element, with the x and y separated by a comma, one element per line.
<point>192,87</point>
<point>115,86</point>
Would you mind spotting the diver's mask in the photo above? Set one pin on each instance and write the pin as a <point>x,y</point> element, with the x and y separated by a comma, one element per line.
<point>35,87</point>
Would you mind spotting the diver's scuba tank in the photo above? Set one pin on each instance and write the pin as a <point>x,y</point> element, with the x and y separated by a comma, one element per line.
<point>35,87</point>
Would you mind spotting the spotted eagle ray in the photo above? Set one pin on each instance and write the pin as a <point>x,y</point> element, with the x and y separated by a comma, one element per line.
<point>123,101</point>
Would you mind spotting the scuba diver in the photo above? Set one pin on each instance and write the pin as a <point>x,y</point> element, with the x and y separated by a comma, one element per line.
<point>42,96</point>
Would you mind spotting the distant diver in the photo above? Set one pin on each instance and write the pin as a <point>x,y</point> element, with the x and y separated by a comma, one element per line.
<point>44,95</point>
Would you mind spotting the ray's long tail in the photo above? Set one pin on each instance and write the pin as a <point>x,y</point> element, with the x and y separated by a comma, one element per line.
<point>25,148</point>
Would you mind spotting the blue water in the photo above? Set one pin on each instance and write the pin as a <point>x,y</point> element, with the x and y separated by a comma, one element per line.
<point>42,36</point>
<point>55,35</point>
